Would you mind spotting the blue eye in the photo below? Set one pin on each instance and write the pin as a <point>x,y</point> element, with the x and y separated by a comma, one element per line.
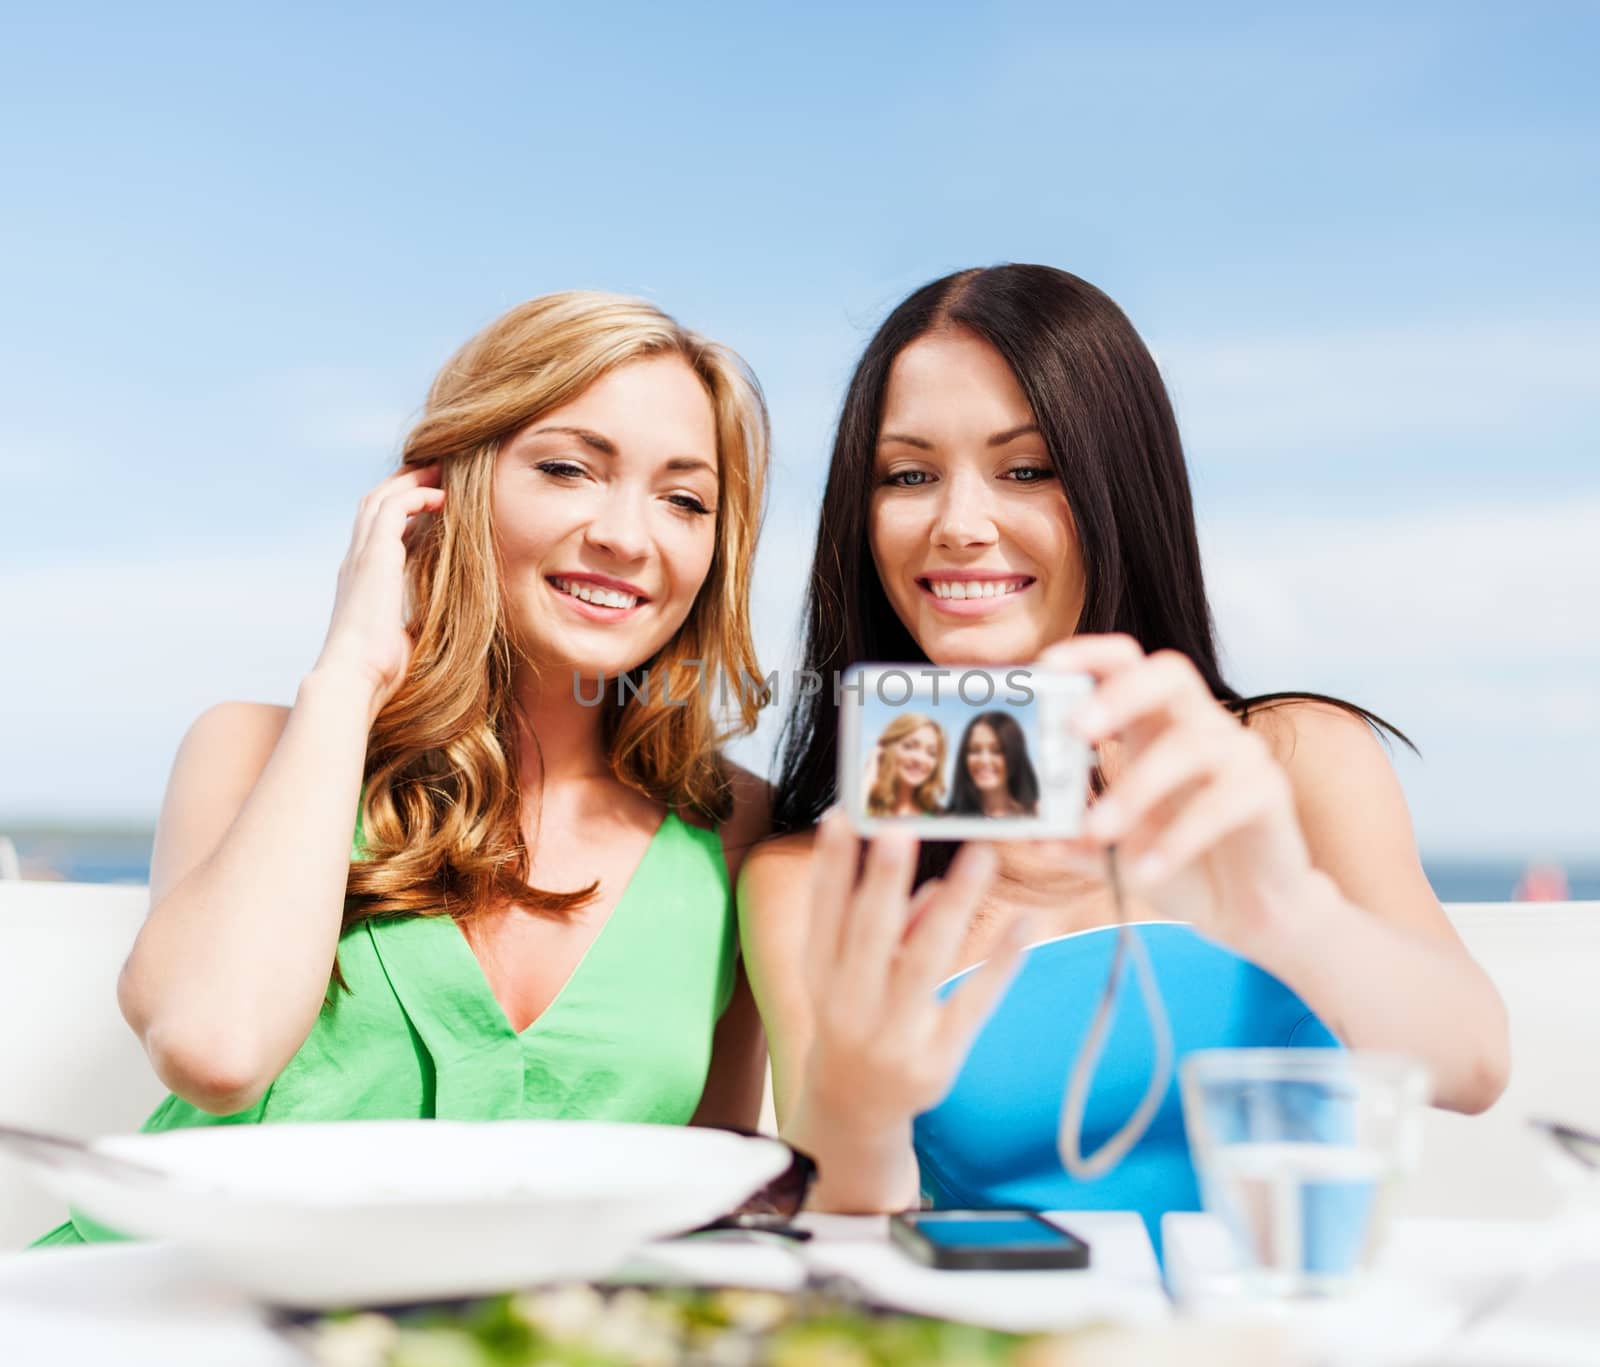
<point>908,479</point>
<point>1031,474</point>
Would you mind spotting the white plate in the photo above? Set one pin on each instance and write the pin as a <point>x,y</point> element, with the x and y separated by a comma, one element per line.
<point>384,1211</point>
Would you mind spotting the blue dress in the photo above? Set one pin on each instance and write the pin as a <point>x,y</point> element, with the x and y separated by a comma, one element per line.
<point>992,1141</point>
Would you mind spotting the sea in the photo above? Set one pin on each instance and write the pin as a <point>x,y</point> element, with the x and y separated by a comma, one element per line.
<point>100,855</point>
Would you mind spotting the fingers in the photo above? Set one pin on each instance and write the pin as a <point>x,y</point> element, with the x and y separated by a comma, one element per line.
<point>1103,657</point>
<point>1172,763</point>
<point>972,1003</point>
<point>921,899</point>
<point>930,947</point>
<point>1162,687</point>
<point>833,878</point>
<point>1239,796</point>
<point>412,478</point>
<point>396,510</point>
<point>877,911</point>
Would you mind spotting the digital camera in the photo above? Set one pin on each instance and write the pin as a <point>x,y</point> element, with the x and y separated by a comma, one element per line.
<point>953,753</point>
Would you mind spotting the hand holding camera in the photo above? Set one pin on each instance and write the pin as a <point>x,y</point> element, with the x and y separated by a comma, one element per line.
<point>1199,809</point>
<point>963,754</point>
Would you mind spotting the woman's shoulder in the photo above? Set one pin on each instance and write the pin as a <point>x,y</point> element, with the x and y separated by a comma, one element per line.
<point>236,737</point>
<point>1351,806</point>
<point>749,819</point>
<point>241,721</point>
<point>777,870</point>
<point>1310,738</point>
<point>222,755</point>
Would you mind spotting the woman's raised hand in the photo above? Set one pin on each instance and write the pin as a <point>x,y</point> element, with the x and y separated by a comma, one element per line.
<point>884,1047</point>
<point>1201,812</point>
<point>367,636</point>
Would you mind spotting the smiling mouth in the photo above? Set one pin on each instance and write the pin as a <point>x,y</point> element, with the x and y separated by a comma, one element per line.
<point>595,594</point>
<point>961,589</point>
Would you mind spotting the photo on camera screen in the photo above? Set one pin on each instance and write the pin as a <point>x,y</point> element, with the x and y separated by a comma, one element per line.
<point>962,753</point>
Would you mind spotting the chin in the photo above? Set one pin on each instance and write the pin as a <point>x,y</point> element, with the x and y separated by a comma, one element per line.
<point>983,644</point>
<point>567,657</point>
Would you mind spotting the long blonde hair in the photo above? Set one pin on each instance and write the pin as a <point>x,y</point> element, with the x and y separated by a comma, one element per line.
<point>442,814</point>
<point>930,792</point>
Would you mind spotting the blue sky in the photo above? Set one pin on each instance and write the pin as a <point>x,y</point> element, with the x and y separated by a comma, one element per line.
<point>237,242</point>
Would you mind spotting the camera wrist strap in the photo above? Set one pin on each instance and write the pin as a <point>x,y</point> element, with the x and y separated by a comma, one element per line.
<point>1081,1078</point>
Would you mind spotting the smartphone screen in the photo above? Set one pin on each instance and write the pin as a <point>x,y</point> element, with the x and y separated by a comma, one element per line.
<point>1001,1231</point>
<point>987,1239</point>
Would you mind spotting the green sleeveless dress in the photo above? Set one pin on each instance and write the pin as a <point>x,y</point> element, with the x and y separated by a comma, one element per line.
<point>419,1034</point>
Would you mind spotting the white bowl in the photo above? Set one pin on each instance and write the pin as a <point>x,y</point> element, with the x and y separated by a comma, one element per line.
<point>372,1212</point>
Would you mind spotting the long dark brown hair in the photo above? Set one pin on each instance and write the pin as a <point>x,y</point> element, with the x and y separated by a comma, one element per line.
<point>1022,783</point>
<point>1107,423</point>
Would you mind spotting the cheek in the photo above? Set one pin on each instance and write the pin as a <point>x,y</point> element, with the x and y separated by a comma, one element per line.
<point>688,552</point>
<point>526,530</point>
<point>892,537</point>
<point>1048,535</point>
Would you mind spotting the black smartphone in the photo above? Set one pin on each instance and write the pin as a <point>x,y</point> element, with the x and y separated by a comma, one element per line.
<point>986,1240</point>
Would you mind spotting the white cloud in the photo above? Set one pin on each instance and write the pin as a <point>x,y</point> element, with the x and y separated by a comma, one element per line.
<point>1477,632</point>
<point>108,664</point>
<point>1479,582</point>
<point>1275,395</point>
<point>339,409</point>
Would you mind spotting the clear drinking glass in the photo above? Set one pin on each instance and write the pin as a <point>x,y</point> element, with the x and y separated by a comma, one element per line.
<point>1299,1152</point>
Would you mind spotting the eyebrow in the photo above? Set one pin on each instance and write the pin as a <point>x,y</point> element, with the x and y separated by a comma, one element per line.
<point>606,447</point>
<point>998,439</point>
<point>1012,433</point>
<point>692,463</point>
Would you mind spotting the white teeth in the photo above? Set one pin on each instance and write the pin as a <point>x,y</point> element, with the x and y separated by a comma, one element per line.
<point>975,588</point>
<point>593,593</point>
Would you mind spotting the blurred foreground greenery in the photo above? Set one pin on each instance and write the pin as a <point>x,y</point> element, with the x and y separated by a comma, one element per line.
<point>579,1326</point>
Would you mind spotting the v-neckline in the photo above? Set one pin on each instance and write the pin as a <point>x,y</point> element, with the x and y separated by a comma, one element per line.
<point>480,979</point>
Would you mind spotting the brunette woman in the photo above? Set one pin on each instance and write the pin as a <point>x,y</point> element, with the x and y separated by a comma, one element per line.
<point>994,776</point>
<point>1007,430</point>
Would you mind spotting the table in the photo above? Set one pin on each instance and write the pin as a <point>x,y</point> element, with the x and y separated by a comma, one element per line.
<point>148,1305</point>
<point>1446,1293</point>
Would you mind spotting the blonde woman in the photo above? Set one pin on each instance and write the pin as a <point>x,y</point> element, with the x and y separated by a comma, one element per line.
<point>906,771</point>
<point>534,919</point>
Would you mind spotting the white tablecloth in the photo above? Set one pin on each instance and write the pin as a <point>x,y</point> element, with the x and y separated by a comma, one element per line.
<point>146,1305</point>
<point>1447,1293</point>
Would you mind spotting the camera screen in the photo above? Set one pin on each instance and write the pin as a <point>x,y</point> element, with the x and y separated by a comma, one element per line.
<point>962,753</point>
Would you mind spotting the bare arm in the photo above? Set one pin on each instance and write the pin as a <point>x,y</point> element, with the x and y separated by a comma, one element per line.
<point>247,887</point>
<point>1383,966</point>
<point>1289,842</point>
<point>252,850</point>
<point>774,903</point>
<point>737,1077</point>
<point>845,970</point>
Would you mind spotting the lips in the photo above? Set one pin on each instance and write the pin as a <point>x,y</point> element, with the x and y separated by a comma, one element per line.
<point>972,593</point>
<point>605,601</point>
<point>599,590</point>
<point>953,589</point>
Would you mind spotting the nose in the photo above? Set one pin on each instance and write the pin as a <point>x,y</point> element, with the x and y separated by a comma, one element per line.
<point>619,527</point>
<point>964,518</point>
